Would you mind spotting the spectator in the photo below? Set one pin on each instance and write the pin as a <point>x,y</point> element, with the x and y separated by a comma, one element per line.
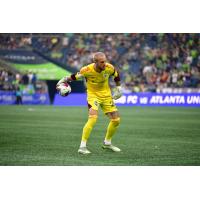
<point>172,60</point>
<point>25,79</point>
<point>18,94</point>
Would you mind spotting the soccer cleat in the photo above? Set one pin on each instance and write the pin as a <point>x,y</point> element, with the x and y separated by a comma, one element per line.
<point>111,147</point>
<point>83,150</point>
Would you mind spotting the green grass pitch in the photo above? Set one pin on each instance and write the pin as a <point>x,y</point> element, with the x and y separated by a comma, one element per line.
<point>148,136</point>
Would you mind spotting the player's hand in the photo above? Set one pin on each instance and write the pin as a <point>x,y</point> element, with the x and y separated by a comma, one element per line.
<point>63,80</point>
<point>117,93</point>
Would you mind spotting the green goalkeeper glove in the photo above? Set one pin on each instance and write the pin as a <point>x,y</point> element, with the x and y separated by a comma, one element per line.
<point>117,93</point>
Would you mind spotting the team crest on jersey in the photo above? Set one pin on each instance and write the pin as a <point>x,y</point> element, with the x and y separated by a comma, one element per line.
<point>105,75</point>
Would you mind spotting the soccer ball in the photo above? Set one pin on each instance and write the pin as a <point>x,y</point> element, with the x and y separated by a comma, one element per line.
<point>64,89</point>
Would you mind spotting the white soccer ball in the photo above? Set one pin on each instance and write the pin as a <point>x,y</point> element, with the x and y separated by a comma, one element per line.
<point>64,89</point>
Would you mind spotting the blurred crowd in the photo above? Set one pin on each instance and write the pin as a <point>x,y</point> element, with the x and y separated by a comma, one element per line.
<point>27,83</point>
<point>147,62</point>
<point>14,41</point>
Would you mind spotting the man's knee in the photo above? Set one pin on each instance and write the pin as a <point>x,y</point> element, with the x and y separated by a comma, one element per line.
<point>92,119</point>
<point>116,121</point>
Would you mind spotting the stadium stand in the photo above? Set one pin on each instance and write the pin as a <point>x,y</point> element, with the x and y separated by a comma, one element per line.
<point>147,62</point>
<point>11,79</point>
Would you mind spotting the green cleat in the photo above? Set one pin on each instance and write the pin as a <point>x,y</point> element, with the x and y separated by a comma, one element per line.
<point>111,147</point>
<point>83,150</point>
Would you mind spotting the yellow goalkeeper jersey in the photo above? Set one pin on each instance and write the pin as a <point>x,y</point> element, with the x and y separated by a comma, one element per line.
<point>98,82</point>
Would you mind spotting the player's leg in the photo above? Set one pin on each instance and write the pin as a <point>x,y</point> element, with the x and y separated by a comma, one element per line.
<point>92,118</point>
<point>110,110</point>
<point>113,125</point>
<point>111,130</point>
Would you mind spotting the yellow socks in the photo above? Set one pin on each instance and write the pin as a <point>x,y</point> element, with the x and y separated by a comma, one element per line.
<point>112,127</point>
<point>88,127</point>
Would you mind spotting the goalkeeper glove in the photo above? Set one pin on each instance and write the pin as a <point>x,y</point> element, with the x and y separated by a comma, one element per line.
<point>117,93</point>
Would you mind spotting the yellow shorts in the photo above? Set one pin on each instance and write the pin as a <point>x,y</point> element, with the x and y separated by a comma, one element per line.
<point>106,104</point>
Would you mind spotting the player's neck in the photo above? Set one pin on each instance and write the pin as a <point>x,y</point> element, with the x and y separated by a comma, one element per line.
<point>97,69</point>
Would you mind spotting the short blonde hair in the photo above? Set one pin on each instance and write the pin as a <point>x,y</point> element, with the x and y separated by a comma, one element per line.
<point>97,55</point>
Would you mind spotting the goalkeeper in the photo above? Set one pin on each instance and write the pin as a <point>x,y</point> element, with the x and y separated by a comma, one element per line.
<point>99,94</point>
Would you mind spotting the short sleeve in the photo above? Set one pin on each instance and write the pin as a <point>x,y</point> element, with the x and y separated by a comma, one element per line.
<point>84,71</point>
<point>114,73</point>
